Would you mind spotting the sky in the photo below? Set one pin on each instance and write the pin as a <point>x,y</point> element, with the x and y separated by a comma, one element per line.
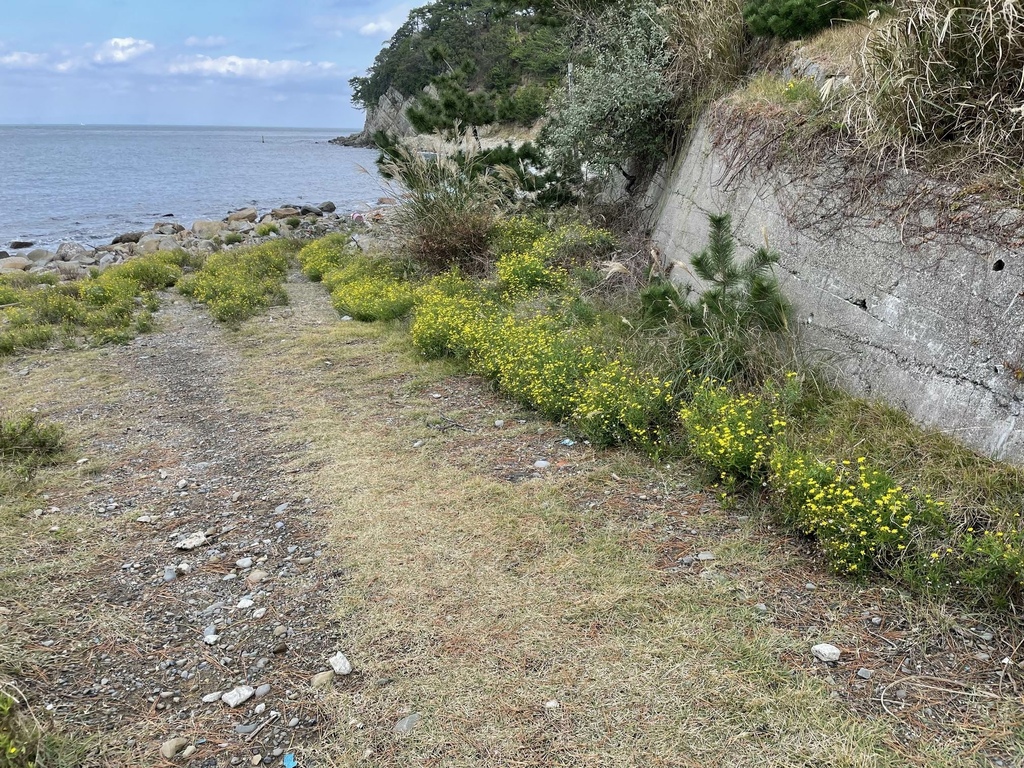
<point>217,62</point>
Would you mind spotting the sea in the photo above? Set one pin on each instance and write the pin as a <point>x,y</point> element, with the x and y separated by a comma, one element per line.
<point>89,183</point>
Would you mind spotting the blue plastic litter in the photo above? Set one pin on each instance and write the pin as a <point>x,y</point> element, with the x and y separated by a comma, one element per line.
<point>289,760</point>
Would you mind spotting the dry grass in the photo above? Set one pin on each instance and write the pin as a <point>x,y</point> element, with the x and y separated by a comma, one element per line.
<point>475,602</point>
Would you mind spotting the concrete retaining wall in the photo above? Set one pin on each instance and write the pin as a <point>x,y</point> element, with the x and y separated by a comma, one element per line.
<point>931,322</point>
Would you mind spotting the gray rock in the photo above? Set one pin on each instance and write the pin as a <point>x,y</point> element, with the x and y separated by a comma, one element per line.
<point>281,508</point>
<point>154,243</point>
<point>109,258</point>
<point>167,228</point>
<point>340,664</point>
<point>285,212</point>
<point>705,556</point>
<point>41,256</point>
<point>406,724</point>
<point>207,229</point>
<point>322,679</point>
<point>171,747</point>
<point>243,214</point>
<point>826,652</point>
<point>192,541</point>
<point>311,210</point>
<point>127,237</point>
<point>688,560</point>
<point>15,262</point>
<point>541,464</point>
<point>73,251</point>
<point>170,573</point>
<point>244,562</point>
<point>262,690</point>
<point>255,577</point>
<point>19,244</point>
<point>189,751</point>
<point>865,674</point>
<point>327,207</point>
<point>241,227</point>
<point>212,697</point>
<point>238,695</point>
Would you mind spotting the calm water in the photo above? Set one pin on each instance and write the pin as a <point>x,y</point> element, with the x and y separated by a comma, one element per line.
<point>90,183</point>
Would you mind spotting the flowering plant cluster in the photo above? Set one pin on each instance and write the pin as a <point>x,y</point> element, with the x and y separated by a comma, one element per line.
<point>733,434</point>
<point>324,255</point>
<point>237,284</point>
<point>858,513</point>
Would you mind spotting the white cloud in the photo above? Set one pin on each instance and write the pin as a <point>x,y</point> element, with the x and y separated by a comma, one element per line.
<point>22,60</point>
<point>377,27</point>
<point>257,69</point>
<point>210,41</point>
<point>118,50</point>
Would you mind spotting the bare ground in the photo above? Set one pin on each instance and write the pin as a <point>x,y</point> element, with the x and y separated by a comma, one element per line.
<point>529,617</point>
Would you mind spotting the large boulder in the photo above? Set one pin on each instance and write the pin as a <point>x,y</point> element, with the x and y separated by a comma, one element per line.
<point>154,243</point>
<point>41,256</point>
<point>15,262</point>
<point>285,212</point>
<point>243,214</point>
<point>127,237</point>
<point>73,251</point>
<point>327,207</point>
<point>241,226</point>
<point>207,229</point>
<point>19,244</point>
<point>312,209</point>
<point>167,228</point>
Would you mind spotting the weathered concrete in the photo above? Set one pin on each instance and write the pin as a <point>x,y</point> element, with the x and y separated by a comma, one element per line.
<point>933,326</point>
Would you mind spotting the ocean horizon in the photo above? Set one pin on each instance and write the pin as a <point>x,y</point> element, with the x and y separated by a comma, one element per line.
<point>89,183</point>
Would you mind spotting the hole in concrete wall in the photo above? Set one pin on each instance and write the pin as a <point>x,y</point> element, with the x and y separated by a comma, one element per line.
<point>862,303</point>
<point>998,266</point>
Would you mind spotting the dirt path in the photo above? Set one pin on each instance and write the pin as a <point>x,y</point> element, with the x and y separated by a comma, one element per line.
<point>496,613</point>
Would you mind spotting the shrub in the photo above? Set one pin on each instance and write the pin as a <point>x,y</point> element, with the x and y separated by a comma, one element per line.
<point>859,515</point>
<point>737,313</point>
<point>238,284</point>
<point>734,434</point>
<point>373,298</point>
<point>449,206</point>
<point>616,109</point>
<point>323,255</point>
<point>293,221</point>
<point>520,273</point>
<point>28,438</point>
<point>449,313</point>
<point>619,405</point>
<point>943,81</point>
<point>790,19</point>
<point>233,238</point>
<point>267,228</point>
<point>515,234</point>
<point>536,362</point>
<point>991,562</point>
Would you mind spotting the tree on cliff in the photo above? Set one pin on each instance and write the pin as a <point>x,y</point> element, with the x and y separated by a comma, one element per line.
<point>487,60</point>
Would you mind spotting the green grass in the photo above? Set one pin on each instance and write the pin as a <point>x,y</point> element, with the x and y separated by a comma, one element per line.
<point>111,306</point>
<point>236,285</point>
<point>935,517</point>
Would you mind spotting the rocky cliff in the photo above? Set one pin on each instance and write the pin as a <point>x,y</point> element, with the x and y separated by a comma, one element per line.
<point>388,116</point>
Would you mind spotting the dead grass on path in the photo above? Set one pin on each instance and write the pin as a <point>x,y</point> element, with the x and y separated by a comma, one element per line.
<point>524,629</point>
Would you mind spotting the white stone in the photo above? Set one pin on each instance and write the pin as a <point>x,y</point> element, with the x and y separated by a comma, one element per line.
<point>238,695</point>
<point>340,664</point>
<point>192,541</point>
<point>212,697</point>
<point>826,652</point>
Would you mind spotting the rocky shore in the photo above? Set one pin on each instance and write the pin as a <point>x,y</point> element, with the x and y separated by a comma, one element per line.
<point>245,226</point>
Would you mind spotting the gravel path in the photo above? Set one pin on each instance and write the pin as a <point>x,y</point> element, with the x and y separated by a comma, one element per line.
<point>207,579</point>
